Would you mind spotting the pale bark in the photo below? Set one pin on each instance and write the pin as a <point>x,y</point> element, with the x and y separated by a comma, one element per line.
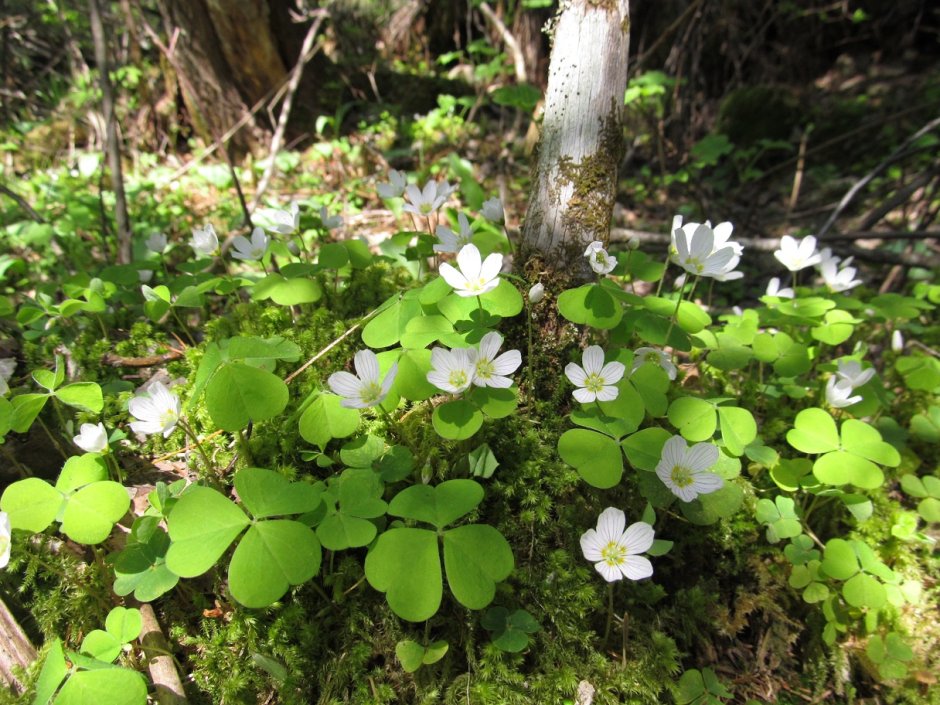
<point>16,650</point>
<point>581,143</point>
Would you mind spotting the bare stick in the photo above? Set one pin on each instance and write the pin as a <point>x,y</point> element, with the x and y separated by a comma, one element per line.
<point>306,53</point>
<point>512,45</point>
<point>113,145</point>
<point>21,202</point>
<point>16,650</point>
<point>897,154</point>
<point>160,663</point>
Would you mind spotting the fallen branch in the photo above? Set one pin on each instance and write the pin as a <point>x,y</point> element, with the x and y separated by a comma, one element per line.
<point>115,360</point>
<point>16,650</point>
<point>518,60</point>
<point>160,664</point>
<point>21,202</point>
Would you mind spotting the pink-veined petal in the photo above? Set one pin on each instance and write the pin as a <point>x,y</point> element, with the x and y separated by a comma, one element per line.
<point>637,538</point>
<point>496,382</point>
<point>636,567</point>
<point>610,525</point>
<point>507,363</point>
<point>686,494</point>
<point>612,372</point>
<point>705,482</point>
<point>583,395</point>
<point>593,359</point>
<point>608,393</point>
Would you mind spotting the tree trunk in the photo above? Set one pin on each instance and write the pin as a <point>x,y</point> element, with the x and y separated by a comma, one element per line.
<point>581,144</point>
<point>209,35</point>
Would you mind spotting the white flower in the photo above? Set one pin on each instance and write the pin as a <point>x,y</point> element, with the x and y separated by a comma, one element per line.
<point>839,393</point>
<point>851,371</point>
<point>330,222</point>
<point>536,293</point>
<point>283,222</point>
<point>472,277</point>
<point>773,289</point>
<point>444,190</point>
<point>594,381</point>
<point>633,243</point>
<point>426,201</point>
<point>253,249</point>
<point>684,470</point>
<point>157,243</point>
<point>615,552</point>
<point>722,233</point>
<point>493,210</point>
<point>157,411</point>
<point>144,275</point>
<point>600,261</point>
<point>728,272</point>
<point>696,253</point>
<point>452,370</point>
<point>365,388</point>
<point>395,187</point>
<point>92,438</point>
<point>451,241</point>
<point>838,280</point>
<point>796,255</point>
<point>897,341</point>
<point>641,356</point>
<point>490,370</point>
<point>5,539</point>
<point>205,242</point>
<point>7,366</point>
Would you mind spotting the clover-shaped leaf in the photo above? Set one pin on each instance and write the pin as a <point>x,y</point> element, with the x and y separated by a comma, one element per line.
<point>780,517</point>
<point>440,505</point>
<point>32,504</point>
<point>238,394</point>
<point>510,630</point>
<point>891,654</point>
<point>696,419</point>
<point>839,559</point>
<point>801,550</point>
<point>202,525</point>
<point>814,432</point>
<point>265,493</point>
<point>141,566</point>
<point>738,428</point>
<point>412,655</point>
<point>405,564</point>
<point>476,557</point>
<point>596,457</point>
<point>457,420</point>
<point>325,419</point>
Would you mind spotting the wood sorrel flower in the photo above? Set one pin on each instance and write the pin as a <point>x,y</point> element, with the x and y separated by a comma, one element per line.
<point>600,261</point>
<point>696,252</point>
<point>365,388</point>
<point>684,470</point>
<point>451,241</point>
<point>395,186</point>
<point>156,411</point>
<point>489,370</point>
<point>595,381</point>
<point>205,242</point>
<point>615,551</point>
<point>452,370</point>
<point>253,249</point>
<point>654,356</point>
<point>472,277</point>
<point>92,438</point>
<point>797,254</point>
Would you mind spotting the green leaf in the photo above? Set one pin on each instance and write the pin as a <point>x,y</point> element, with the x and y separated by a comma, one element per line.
<point>456,420</point>
<point>287,292</point>
<point>590,305</point>
<point>691,687</point>
<point>32,504</point>
<point>92,511</point>
<point>695,418</point>
<point>645,448</point>
<point>54,670</point>
<point>81,470</point>
<point>410,655</point>
<point>596,457</point>
<point>114,686</point>
<point>495,403</point>
<point>340,531</point>
<point>265,493</point>
<point>738,428</point>
<point>651,382</point>
<point>710,508</point>
<point>421,331</point>
<point>26,408</point>
<point>405,564</point>
<point>841,468</point>
<point>929,509</point>
<point>481,461</point>
<point>863,440</point>
<point>691,317</point>
<point>333,255</point>
<point>81,395</point>
<point>919,372</point>
<point>202,525</point>
<point>262,352</point>
<point>411,382</point>
<point>510,631</point>
<point>839,559</point>
<point>814,432</point>
<point>862,590</point>
<point>101,645</point>
<point>326,418</point>
<point>441,505</point>
<point>837,327</point>
<point>124,624</point>
<point>388,326</point>
<point>476,557</point>
<point>272,556</point>
<point>504,301</point>
<point>788,473</point>
<point>238,394</point>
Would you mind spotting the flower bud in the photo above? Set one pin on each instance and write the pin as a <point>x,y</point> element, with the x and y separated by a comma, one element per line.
<point>633,243</point>
<point>897,341</point>
<point>536,293</point>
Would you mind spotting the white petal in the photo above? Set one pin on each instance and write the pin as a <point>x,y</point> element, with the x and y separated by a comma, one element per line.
<point>468,260</point>
<point>703,242</point>
<point>701,456</point>
<point>637,567</point>
<point>583,395</point>
<point>345,384</point>
<point>593,359</point>
<point>610,573</point>
<point>494,381</point>
<point>706,482</point>
<point>674,451</point>
<point>452,276</point>
<point>686,494</point>
<point>608,393</point>
<point>610,525</point>
<point>682,246</point>
<point>389,379</point>
<point>591,545</point>
<point>367,366</point>
<point>442,360</point>
<point>442,381</point>
<point>489,345</point>
<point>489,270</point>
<point>637,538</point>
<point>612,372</point>
<point>507,363</point>
<point>575,374</point>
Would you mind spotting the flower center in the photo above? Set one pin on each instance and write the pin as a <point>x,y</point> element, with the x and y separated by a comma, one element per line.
<point>371,393</point>
<point>652,357</point>
<point>594,383</point>
<point>485,369</point>
<point>168,418</point>
<point>458,378</point>
<point>426,208</point>
<point>613,554</point>
<point>681,477</point>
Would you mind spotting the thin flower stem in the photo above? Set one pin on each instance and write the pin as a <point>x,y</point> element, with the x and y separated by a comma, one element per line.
<point>183,326</point>
<point>662,279</point>
<point>52,438</point>
<point>113,464</point>
<point>187,429</point>
<point>610,611</point>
